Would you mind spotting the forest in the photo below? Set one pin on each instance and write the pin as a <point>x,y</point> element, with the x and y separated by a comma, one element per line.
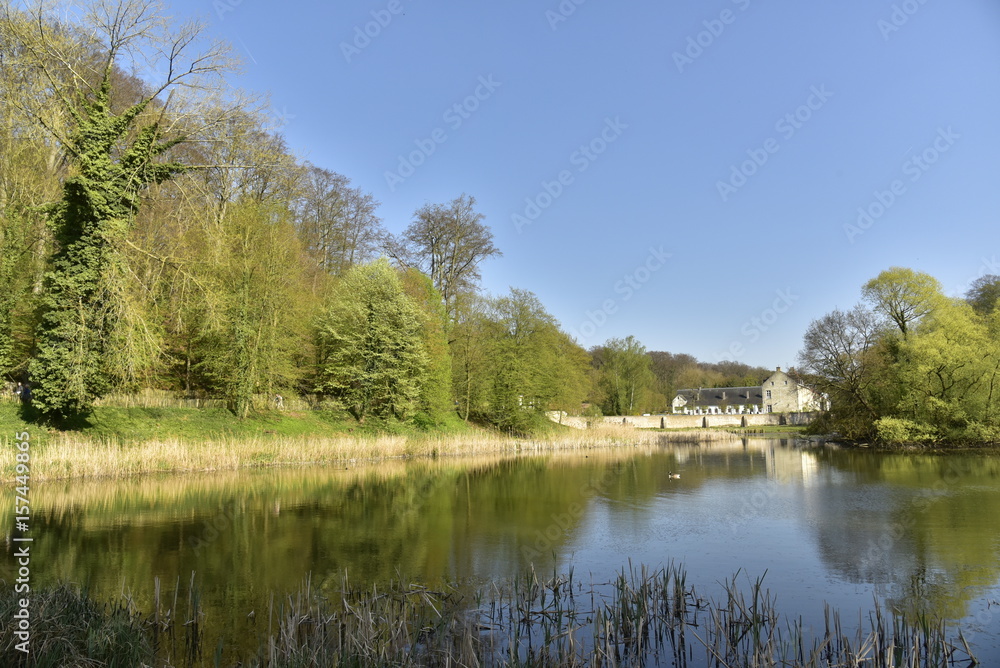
<point>158,233</point>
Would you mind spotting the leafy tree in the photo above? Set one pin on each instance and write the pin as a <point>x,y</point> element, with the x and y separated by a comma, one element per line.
<point>902,295</point>
<point>533,365</point>
<point>949,368</point>
<point>625,376</point>
<point>371,345</point>
<point>435,402</point>
<point>252,335</point>
<point>470,347</point>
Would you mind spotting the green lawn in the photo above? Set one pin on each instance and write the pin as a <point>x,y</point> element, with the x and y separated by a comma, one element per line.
<point>141,424</point>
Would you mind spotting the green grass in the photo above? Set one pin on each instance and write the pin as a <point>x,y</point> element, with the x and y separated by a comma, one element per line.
<point>137,424</point>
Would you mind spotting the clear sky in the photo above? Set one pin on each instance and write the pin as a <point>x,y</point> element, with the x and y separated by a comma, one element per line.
<point>692,173</point>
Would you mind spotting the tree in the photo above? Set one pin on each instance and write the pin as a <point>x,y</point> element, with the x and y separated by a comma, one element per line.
<point>435,402</point>
<point>448,243</point>
<point>984,294</point>
<point>902,295</point>
<point>625,376</point>
<point>841,351</point>
<point>338,222</point>
<point>252,334</point>
<point>118,143</point>
<point>370,339</point>
<point>949,367</point>
<point>533,366</point>
<point>470,348</point>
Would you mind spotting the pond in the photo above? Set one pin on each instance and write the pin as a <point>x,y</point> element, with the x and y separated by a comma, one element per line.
<point>919,533</point>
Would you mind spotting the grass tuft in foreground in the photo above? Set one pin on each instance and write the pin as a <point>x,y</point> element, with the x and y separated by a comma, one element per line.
<point>68,628</point>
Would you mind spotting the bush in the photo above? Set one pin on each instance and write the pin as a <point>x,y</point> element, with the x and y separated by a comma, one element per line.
<point>979,432</point>
<point>899,430</point>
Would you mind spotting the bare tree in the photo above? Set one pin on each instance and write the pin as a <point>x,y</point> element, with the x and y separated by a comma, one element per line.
<point>448,242</point>
<point>338,222</point>
<point>841,350</point>
<point>984,294</point>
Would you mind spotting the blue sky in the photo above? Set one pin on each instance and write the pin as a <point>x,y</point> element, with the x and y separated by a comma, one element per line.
<point>698,170</point>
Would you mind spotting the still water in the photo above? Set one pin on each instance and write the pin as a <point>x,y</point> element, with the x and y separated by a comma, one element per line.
<point>920,533</point>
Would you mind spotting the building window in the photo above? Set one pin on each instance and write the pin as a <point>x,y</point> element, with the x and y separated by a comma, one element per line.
<point>768,394</point>
<point>770,409</point>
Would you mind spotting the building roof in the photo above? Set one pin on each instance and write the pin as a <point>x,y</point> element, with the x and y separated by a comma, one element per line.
<point>717,396</point>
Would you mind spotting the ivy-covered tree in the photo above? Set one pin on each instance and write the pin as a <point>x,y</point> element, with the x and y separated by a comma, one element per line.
<point>117,143</point>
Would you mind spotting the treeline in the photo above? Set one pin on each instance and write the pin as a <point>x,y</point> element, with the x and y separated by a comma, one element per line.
<point>156,232</point>
<point>910,364</point>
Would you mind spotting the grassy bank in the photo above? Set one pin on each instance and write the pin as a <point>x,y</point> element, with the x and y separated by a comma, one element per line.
<point>121,442</point>
<point>642,616</point>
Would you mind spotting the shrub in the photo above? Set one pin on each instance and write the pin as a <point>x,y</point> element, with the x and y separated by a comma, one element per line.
<point>899,430</point>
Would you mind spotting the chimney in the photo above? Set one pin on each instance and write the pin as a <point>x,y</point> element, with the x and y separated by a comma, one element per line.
<point>779,368</point>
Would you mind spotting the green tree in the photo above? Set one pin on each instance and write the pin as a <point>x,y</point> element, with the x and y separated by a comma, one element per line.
<point>902,295</point>
<point>470,346</point>
<point>533,365</point>
<point>371,345</point>
<point>252,336</point>
<point>625,376</point>
<point>949,366</point>
<point>435,403</point>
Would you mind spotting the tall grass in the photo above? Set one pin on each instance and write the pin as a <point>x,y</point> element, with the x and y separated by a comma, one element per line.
<point>643,617</point>
<point>71,455</point>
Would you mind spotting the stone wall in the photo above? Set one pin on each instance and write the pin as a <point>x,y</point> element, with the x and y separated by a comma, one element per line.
<point>686,421</point>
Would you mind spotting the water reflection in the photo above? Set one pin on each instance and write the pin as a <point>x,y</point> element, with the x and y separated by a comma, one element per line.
<point>920,531</point>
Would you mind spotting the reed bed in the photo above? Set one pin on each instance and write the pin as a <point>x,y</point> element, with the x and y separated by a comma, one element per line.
<point>644,617</point>
<point>67,455</point>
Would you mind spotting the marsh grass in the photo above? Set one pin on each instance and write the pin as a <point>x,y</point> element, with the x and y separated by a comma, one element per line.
<point>69,628</point>
<point>64,455</point>
<point>643,617</point>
